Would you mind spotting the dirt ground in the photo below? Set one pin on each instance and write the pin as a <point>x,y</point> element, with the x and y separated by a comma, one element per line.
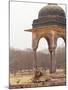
<point>26,79</point>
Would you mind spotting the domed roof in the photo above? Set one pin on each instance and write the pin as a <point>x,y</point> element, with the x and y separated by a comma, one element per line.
<point>51,14</point>
<point>51,9</point>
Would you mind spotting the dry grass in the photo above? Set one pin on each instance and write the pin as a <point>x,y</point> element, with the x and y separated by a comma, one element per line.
<point>47,79</point>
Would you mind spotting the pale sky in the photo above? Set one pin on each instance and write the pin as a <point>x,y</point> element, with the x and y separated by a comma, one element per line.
<point>21,18</point>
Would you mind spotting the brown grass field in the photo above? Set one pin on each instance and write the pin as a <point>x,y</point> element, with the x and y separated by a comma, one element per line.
<point>26,79</point>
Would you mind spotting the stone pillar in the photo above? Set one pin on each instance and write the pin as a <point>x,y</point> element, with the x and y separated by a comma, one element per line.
<point>52,62</point>
<point>37,73</point>
<point>34,60</point>
<point>52,43</point>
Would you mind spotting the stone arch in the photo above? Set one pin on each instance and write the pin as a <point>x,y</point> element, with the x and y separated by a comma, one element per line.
<point>63,36</point>
<point>39,40</point>
<point>35,47</point>
<point>35,42</point>
<point>61,39</point>
<point>42,47</point>
<point>61,50</point>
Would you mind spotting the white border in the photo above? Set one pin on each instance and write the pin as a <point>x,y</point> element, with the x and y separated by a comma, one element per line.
<point>4,44</point>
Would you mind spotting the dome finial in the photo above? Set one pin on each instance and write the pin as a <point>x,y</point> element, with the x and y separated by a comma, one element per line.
<point>52,3</point>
